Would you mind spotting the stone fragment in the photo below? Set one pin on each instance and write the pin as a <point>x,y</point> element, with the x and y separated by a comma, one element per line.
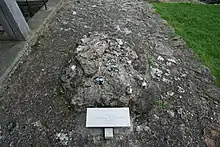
<point>156,73</point>
<point>73,67</point>
<point>156,117</point>
<point>139,128</point>
<point>129,90</point>
<point>142,128</point>
<point>180,89</point>
<point>172,60</point>
<point>166,80</point>
<point>74,12</point>
<point>169,63</point>
<point>144,84</point>
<point>170,93</point>
<point>171,113</point>
<point>63,138</point>
<point>120,42</point>
<point>146,128</point>
<point>159,58</point>
<point>99,80</point>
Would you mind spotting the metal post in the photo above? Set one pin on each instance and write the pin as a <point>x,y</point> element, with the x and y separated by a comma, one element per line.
<point>45,5</point>
<point>13,21</point>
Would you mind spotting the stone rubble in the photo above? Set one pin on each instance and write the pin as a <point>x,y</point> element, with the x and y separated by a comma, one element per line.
<point>101,55</point>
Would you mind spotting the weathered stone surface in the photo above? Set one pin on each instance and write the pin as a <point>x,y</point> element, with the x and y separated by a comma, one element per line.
<point>107,56</point>
<point>121,41</point>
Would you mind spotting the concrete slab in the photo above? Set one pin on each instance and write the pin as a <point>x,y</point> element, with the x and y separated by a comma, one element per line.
<point>7,54</point>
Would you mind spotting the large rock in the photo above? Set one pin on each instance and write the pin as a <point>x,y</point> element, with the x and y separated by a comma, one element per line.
<point>101,55</point>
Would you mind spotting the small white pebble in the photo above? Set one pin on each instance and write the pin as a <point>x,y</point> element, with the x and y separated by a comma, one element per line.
<point>79,48</point>
<point>180,89</point>
<point>65,22</point>
<point>74,13</point>
<point>120,42</point>
<point>129,90</point>
<point>127,31</point>
<point>167,72</point>
<point>176,78</point>
<point>139,78</point>
<point>171,113</point>
<point>146,128</point>
<point>169,63</point>
<point>73,67</point>
<point>165,80</point>
<point>67,29</point>
<point>183,75</point>
<point>37,124</point>
<point>156,73</point>
<point>156,117</point>
<point>144,84</point>
<point>159,58</point>
<point>171,60</point>
<point>139,128</point>
<point>170,93</point>
<point>129,62</point>
<point>63,138</point>
<point>180,111</point>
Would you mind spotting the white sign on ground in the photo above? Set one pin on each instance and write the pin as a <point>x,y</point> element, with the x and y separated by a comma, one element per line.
<point>108,117</point>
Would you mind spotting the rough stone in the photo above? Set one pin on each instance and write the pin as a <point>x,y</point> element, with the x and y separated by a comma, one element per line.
<point>160,58</point>
<point>156,73</point>
<point>101,55</point>
<point>112,40</point>
<point>63,138</point>
<point>171,113</point>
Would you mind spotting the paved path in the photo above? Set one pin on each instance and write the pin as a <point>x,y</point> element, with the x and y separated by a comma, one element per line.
<point>171,95</point>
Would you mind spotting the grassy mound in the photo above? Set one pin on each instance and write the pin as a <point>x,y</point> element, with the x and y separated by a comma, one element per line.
<point>199,25</point>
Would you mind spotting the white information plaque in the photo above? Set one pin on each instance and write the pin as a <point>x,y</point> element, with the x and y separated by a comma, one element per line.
<point>108,117</point>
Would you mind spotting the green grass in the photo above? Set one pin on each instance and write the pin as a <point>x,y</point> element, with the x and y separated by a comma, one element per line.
<point>150,61</point>
<point>162,104</point>
<point>199,25</point>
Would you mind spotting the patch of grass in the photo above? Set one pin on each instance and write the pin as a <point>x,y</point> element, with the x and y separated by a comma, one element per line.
<point>150,60</point>
<point>199,25</point>
<point>162,104</point>
<point>150,64</point>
